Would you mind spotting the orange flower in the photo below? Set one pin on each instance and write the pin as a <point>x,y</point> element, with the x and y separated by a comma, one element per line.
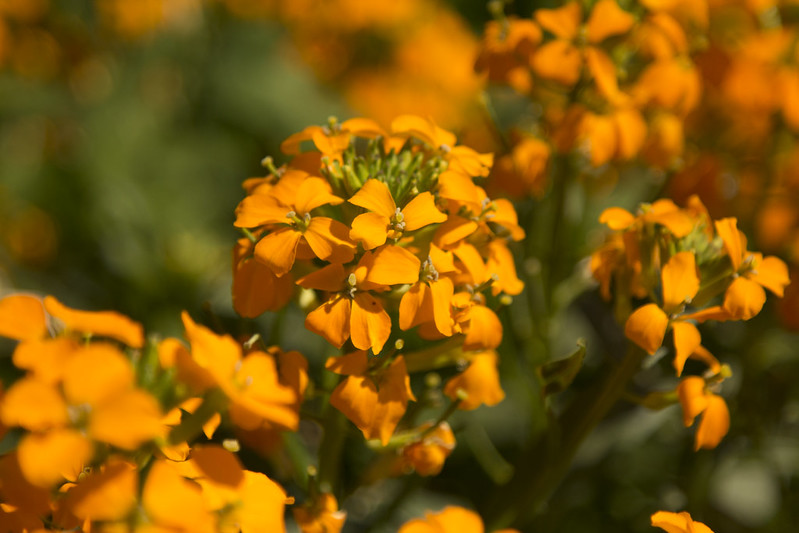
<point>426,456</point>
<point>449,520</point>
<point>101,323</point>
<point>106,494</point>
<point>647,325</point>
<point>478,384</point>
<point>696,399</point>
<point>333,139</point>
<point>663,212</point>
<point>351,310</point>
<point>320,516</point>
<point>243,500</point>
<point>385,219</point>
<point>524,170</point>
<point>93,399</point>
<point>256,288</point>
<point>561,60</point>
<point>678,523</point>
<point>287,209</point>
<point>508,46</point>
<point>745,296</point>
<point>173,502</point>
<point>250,383</point>
<point>480,324</point>
<point>373,399</point>
<point>430,298</point>
<point>22,317</point>
<point>475,211</point>
<point>461,159</point>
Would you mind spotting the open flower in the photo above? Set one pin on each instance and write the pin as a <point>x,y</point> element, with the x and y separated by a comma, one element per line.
<point>478,384</point>
<point>647,325</point>
<point>696,398</point>
<point>352,311</point>
<point>293,230</point>
<point>745,296</point>
<point>374,399</point>
<point>386,220</point>
<point>250,383</point>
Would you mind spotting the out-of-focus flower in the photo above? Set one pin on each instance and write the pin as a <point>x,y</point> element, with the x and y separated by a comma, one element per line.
<point>478,384</point>
<point>449,520</point>
<point>426,455</point>
<point>321,515</point>
<point>678,523</point>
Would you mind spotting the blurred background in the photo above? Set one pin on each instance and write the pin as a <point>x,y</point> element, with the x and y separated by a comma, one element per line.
<point>127,127</point>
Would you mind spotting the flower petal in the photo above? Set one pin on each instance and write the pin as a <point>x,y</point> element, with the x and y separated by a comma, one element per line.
<point>693,399</point>
<point>393,265</point>
<point>646,327</point>
<point>686,340</point>
<point>371,229</point>
<point>672,522</point>
<point>349,364</point>
<point>22,317</point>
<point>375,196</point>
<point>680,281</point>
<point>480,382</point>
<point>564,21</point>
<point>559,61</point>
<point>330,240</point>
<point>616,218</point>
<point>727,229</point>
<point>52,457</point>
<point>608,19</point>
<point>127,420</point>
<point>312,193</point>
<point>715,423</point>
<point>278,249</point>
<point>104,323</point>
<point>421,211</point>
<point>370,324</point>
<point>772,273</point>
<point>331,320</point>
<point>744,298</point>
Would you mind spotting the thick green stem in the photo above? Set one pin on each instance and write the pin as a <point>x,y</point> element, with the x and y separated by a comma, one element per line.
<point>549,460</point>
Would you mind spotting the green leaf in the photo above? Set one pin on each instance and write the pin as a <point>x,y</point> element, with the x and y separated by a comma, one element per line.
<point>556,376</point>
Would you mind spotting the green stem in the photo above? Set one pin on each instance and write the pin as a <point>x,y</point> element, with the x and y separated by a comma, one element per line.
<point>335,433</point>
<point>550,459</point>
<point>191,425</point>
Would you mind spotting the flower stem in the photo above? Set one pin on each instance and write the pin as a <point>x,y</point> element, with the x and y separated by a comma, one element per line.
<point>550,458</point>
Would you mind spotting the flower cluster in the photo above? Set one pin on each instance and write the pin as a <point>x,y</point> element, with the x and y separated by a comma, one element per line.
<point>108,425</point>
<point>386,231</point>
<point>611,82</point>
<point>691,269</point>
